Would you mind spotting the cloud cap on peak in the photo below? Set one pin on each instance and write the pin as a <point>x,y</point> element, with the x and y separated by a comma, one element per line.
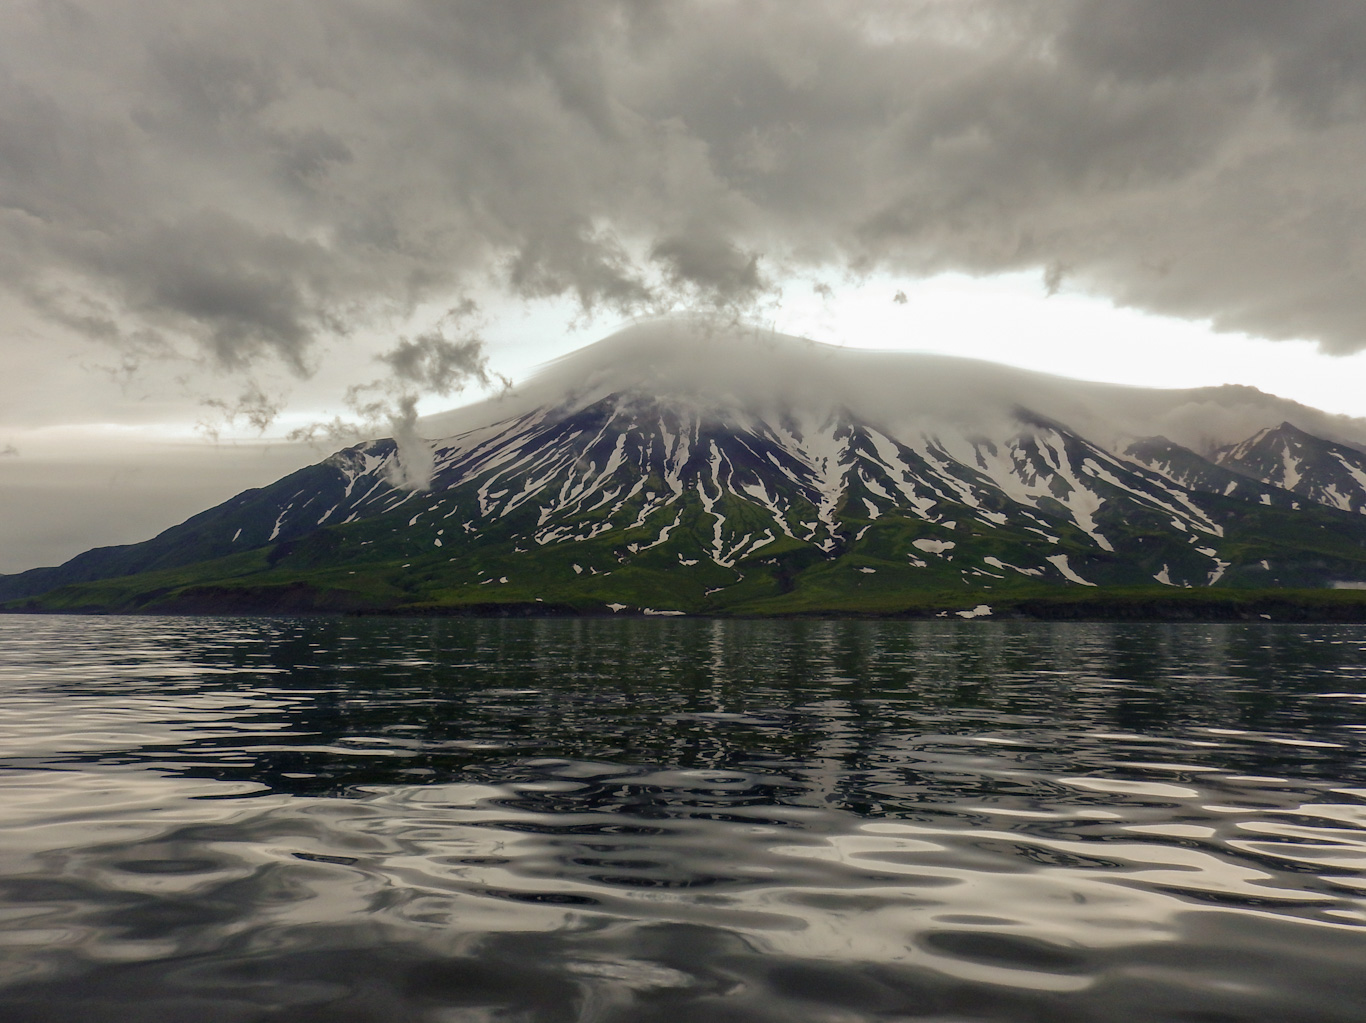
<point>720,365</point>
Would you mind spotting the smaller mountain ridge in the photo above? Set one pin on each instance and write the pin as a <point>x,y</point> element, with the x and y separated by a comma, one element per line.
<point>1287,457</point>
<point>1182,465</point>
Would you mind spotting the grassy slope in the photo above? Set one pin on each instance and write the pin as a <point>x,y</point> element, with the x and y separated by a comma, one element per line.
<point>387,564</point>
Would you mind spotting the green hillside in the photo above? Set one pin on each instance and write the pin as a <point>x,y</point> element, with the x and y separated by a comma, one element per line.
<point>391,564</point>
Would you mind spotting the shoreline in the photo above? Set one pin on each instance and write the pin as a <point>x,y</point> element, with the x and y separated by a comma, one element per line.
<point>1291,607</point>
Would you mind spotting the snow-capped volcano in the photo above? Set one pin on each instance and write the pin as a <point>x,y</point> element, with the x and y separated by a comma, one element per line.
<point>687,466</point>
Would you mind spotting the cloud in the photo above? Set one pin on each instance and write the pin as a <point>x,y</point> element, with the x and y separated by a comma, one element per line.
<point>428,364</point>
<point>431,363</point>
<point>253,406</point>
<point>243,183</point>
<point>709,267</point>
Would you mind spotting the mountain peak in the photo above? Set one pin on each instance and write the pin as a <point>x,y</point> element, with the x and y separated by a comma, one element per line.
<point>709,364</point>
<point>1295,460</point>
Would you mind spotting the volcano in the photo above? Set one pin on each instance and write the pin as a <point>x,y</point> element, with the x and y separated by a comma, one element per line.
<point>685,466</point>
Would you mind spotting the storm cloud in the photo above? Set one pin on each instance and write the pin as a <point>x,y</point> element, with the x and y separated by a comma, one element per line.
<point>242,180</point>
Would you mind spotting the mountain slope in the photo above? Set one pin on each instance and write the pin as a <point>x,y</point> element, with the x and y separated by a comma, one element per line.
<point>286,510</point>
<point>1287,457</point>
<point>763,481</point>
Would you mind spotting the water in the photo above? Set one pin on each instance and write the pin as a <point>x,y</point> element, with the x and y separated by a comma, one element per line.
<point>351,820</point>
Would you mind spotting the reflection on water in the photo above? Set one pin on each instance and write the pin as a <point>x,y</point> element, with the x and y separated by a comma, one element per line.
<point>351,820</point>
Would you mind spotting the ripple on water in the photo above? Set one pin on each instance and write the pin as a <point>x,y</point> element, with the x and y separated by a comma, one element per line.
<point>260,820</point>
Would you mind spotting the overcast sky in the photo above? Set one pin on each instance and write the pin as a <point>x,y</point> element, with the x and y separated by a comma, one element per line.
<point>217,218</point>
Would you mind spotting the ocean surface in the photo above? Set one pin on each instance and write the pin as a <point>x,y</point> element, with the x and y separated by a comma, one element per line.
<point>350,820</point>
